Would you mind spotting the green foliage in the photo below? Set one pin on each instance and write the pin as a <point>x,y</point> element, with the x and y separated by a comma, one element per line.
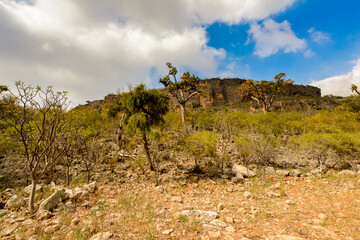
<point>143,108</point>
<point>3,88</point>
<point>202,144</point>
<point>354,88</point>
<point>204,120</point>
<point>255,149</point>
<point>172,121</point>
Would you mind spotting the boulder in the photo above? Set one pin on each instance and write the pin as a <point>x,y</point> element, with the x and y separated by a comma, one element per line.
<point>51,202</point>
<point>347,173</point>
<point>269,171</point>
<point>283,173</point>
<point>319,170</point>
<point>15,202</point>
<point>91,187</point>
<point>241,171</point>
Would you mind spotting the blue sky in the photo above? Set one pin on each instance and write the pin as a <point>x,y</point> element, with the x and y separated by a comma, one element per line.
<point>333,54</point>
<point>91,48</point>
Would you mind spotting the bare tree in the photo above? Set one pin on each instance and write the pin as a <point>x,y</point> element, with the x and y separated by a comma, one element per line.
<point>37,118</point>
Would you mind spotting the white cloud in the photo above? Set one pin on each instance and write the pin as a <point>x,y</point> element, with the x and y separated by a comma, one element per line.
<point>273,37</point>
<point>318,36</point>
<point>339,85</point>
<point>90,48</point>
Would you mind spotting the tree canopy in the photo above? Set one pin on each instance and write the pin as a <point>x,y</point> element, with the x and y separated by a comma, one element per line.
<point>264,92</point>
<point>182,90</point>
<point>144,108</point>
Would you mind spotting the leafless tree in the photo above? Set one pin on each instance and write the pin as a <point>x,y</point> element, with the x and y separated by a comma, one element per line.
<point>37,118</point>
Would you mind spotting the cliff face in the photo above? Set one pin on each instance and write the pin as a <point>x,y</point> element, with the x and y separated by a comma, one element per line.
<point>224,92</point>
<point>218,92</point>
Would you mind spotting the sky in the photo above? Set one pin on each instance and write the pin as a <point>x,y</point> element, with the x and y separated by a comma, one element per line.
<point>91,48</point>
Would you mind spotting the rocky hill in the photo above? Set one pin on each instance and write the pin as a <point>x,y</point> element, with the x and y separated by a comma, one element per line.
<point>219,92</point>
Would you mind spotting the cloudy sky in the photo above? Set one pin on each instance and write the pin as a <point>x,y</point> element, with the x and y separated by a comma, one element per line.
<point>94,47</point>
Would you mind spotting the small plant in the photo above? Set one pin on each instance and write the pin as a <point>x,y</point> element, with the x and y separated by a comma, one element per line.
<point>183,218</point>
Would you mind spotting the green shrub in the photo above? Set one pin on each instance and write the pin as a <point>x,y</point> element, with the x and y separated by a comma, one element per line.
<point>202,144</point>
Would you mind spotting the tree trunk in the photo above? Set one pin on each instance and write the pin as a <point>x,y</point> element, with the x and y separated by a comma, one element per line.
<point>32,194</point>
<point>68,175</point>
<point>147,151</point>
<point>183,113</point>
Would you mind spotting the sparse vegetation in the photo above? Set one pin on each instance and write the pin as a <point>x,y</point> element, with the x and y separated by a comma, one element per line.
<point>298,152</point>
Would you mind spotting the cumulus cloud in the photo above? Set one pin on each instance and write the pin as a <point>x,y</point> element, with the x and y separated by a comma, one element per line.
<point>90,48</point>
<point>272,37</point>
<point>339,85</point>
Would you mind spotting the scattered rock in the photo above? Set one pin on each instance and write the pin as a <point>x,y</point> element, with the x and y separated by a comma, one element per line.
<point>218,223</point>
<point>39,188</point>
<point>85,195</point>
<point>167,232</point>
<point>4,212</point>
<point>284,237</point>
<point>238,179</point>
<point>322,216</point>
<point>7,232</point>
<point>102,236</point>
<point>239,171</point>
<point>269,171</point>
<point>70,207</point>
<point>15,202</point>
<point>51,229</point>
<point>347,173</point>
<point>75,220</point>
<point>247,194</point>
<point>273,194</point>
<point>295,173</point>
<point>176,199</point>
<point>91,187</point>
<point>319,170</point>
<point>43,214</point>
<point>160,189</point>
<point>283,173</point>
<point>220,206</point>
<point>229,219</point>
<point>51,202</point>
<point>214,234</point>
<point>198,213</point>
<point>230,229</point>
<point>290,202</point>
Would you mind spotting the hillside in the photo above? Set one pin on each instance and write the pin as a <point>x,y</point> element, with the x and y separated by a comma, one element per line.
<point>229,172</point>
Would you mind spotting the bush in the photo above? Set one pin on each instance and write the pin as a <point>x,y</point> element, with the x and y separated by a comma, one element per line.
<point>255,149</point>
<point>202,144</point>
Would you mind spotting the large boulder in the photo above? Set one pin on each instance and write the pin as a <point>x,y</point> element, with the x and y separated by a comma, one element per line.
<point>15,202</point>
<point>241,171</point>
<point>51,202</point>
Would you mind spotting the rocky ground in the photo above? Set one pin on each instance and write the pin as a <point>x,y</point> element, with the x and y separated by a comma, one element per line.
<point>127,204</point>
